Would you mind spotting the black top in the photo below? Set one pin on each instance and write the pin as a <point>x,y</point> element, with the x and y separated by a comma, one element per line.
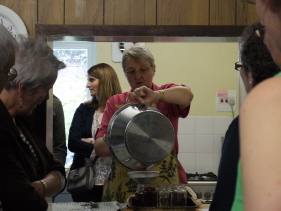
<point>81,127</point>
<point>225,189</point>
<point>19,167</point>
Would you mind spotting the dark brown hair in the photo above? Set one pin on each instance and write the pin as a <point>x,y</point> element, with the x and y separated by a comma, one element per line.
<point>255,56</point>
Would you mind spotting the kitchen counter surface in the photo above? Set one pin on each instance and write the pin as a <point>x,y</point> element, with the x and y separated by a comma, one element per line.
<point>203,207</point>
<point>106,206</point>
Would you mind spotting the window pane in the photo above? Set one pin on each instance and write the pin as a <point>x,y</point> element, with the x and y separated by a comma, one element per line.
<point>70,86</point>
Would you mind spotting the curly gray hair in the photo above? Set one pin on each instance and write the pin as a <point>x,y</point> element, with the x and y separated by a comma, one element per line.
<point>36,64</point>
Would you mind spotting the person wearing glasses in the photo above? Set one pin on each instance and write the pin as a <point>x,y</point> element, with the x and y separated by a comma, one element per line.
<point>260,123</point>
<point>171,99</point>
<point>29,171</point>
<point>256,65</point>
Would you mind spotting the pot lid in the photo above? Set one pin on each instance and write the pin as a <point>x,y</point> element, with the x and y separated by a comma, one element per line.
<point>149,137</point>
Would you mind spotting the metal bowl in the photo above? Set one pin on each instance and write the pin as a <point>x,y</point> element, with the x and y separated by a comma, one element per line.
<point>140,136</point>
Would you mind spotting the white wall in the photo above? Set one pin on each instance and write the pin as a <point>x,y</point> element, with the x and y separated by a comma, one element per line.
<point>200,142</point>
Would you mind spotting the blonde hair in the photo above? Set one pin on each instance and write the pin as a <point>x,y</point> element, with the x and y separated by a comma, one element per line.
<point>108,84</point>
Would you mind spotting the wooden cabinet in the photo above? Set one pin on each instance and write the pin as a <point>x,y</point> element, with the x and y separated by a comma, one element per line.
<point>50,11</point>
<point>133,12</point>
<point>182,12</point>
<point>222,12</point>
<point>84,12</point>
<point>129,12</point>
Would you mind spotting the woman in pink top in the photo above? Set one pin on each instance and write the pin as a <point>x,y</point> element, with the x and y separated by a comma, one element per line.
<point>171,99</point>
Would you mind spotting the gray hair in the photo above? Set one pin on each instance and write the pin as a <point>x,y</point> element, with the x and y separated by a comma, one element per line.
<point>36,64</point>
<point>139,52</point>
<point>8,44</point>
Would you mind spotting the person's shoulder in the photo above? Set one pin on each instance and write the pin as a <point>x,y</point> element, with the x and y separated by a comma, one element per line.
<point>82,106</point>
<point>267,93</point>
<point>119,97</point>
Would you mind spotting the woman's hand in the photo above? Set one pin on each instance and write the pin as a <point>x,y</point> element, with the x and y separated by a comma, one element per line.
<point>145,95</point>
<point>88,140</point>
<point>39,188</point>
<point>179,95</point>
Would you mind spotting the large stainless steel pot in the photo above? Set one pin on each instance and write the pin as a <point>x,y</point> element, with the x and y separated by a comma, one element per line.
<point>140,136</point>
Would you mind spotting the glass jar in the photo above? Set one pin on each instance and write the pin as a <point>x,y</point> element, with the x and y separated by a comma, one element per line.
<point>178,196</point>
<point>149,196</point>
<point>139,195</point>
<point>164,195</point>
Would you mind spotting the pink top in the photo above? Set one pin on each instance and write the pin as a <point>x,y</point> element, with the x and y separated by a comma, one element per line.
<point>171,111</point>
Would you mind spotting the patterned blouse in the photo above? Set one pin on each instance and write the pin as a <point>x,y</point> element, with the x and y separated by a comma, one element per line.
<point>103,164</point>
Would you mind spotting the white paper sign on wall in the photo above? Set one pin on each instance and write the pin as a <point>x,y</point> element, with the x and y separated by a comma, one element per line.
<point>117,53</point>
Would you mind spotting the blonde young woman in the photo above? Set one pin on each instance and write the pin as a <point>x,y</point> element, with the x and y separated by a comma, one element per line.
<point>102,83</point>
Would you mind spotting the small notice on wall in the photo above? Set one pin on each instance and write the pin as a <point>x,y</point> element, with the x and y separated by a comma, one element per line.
<point>222,93</point>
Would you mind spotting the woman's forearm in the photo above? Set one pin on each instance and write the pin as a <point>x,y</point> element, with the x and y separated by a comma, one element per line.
<point>101,148</point>
<point>179,95</point>
<point>50,185</point>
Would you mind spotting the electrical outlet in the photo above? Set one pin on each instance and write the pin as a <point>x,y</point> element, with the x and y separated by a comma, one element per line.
<point>224,100</point>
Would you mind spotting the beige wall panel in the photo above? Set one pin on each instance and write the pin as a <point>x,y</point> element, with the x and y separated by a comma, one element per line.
<point>182,12</point>
<point>26,9</point>
<point>150,12</point>
<point>222,12</point>
<point>246,14</point>
<point>84,12</point>
<point>51,11</point>
<point>127,12</point>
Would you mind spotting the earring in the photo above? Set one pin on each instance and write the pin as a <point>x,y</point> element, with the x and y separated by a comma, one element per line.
<point>250,82</point>
<point>20,102</point>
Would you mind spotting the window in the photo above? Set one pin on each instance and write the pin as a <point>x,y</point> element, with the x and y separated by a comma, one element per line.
<point>70,86</point>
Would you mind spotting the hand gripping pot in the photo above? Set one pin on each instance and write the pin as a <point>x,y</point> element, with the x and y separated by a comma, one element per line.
<point>140,136</point>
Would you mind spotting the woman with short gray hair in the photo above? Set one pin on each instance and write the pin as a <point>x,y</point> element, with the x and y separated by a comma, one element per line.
<point>171,99</point>
<point>31,172</point>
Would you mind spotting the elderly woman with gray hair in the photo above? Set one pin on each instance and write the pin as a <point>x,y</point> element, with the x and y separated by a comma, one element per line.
<point>171,99</point>
<point>29,171</point>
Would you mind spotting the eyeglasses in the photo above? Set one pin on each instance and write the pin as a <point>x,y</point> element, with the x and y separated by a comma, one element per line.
<point>142,71</point>
<point>11,74</point>
<point>238,66</point>
<point>251,2</point>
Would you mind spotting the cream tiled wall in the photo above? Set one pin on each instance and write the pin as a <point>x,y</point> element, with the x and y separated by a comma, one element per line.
<point>200,141</point>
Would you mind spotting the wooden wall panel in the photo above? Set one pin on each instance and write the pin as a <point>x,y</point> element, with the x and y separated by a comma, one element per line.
<point>129,12</point>
<point>222,12</point>
<point>26,9</point>
<point>252,15</point>
<point>246,13</point>
<point>150,12</point>
<point>84,12</point>
<point>241,12</point>
<point>182,12</point>
<point>50,11</point>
